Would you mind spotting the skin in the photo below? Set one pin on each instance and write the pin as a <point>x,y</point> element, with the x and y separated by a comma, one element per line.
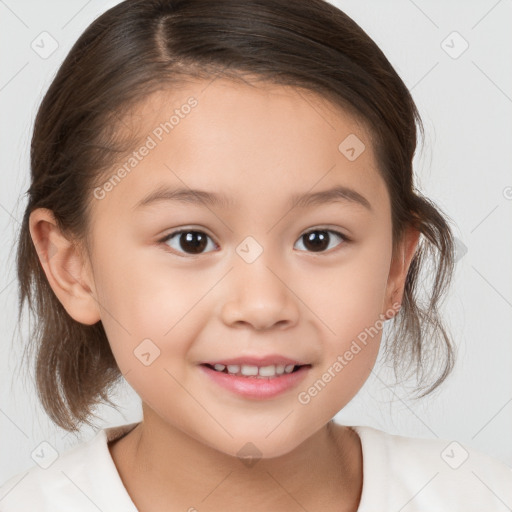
<point>259,145</point>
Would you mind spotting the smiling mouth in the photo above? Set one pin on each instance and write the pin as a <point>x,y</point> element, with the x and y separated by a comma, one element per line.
<point>270,371</point>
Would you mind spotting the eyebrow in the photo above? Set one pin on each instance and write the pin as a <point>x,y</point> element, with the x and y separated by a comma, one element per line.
<point>339,193</point>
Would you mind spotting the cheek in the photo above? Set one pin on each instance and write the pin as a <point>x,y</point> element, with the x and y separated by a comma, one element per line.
<point>137,293</point>
<point>349,296</point>
<point>352,326</point>
<point>349,300</point>
<point>148,314</point>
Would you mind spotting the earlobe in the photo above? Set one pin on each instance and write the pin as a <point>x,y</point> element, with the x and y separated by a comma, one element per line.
<point>64,266</point>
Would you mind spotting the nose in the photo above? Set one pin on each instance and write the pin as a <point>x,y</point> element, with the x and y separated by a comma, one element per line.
<point>257,295</point>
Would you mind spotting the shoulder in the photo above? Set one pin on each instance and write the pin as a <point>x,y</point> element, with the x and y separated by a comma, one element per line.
<point>81,479</point>
<point>437,475</point>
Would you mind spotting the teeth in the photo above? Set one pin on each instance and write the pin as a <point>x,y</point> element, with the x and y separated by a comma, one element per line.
<point>249,370</point>
<point>268,371</point>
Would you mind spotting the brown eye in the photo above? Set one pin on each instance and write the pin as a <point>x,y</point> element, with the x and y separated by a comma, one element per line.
<point>188,241</point>
<point>318,240</point>
<point>194,242</point>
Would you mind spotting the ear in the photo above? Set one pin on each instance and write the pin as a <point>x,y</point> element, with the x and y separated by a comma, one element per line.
<point>65,267</point>
<point>399,269</point>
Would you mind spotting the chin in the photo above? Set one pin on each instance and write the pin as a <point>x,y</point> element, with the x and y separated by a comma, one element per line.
<point>252,446</point>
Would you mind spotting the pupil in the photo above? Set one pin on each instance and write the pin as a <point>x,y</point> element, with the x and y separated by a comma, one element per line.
<point>195,240</point>
<point>319,242</point>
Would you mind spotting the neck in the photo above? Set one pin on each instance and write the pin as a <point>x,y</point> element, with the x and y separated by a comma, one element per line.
<point>160,464</point>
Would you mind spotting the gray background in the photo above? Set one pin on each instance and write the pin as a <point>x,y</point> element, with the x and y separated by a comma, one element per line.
<point>465,167</point>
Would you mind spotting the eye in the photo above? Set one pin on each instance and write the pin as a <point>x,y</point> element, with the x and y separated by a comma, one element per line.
<point>190,241</point>
<point>318,239</point>
<point>193,242</point>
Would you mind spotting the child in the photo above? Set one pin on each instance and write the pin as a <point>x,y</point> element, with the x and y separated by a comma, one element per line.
<point>262,128</point>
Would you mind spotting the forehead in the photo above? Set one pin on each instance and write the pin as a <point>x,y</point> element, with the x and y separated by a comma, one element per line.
<point>250,143</point>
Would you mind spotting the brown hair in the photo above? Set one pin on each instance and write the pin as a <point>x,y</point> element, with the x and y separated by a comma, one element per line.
<point>141,46</point>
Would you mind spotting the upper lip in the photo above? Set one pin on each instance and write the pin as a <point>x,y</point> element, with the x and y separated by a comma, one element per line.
<point>257,361</point>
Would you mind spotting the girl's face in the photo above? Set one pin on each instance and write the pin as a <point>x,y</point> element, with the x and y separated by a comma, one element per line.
<point>254,274</point>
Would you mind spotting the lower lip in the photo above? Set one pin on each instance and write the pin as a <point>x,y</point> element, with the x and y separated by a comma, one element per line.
<point>257,388</point>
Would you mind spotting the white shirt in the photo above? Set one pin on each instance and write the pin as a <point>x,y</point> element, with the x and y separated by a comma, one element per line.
<point>399,474</point>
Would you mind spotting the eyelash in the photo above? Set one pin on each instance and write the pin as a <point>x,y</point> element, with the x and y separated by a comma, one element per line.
<point>168,237</point>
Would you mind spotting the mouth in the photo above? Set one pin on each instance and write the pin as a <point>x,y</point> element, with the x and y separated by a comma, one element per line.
<point>253,381</point>
<point>255,371</point>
